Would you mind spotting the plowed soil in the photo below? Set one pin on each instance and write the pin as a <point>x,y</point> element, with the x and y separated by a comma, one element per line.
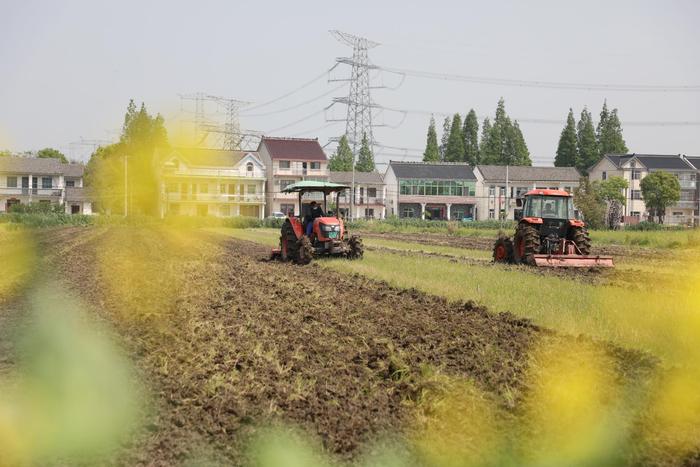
<point>227,341</point>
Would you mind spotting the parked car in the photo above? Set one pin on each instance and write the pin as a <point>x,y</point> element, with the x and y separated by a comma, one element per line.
<point>277,215</point>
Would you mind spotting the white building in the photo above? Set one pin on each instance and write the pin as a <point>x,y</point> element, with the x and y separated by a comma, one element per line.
<point>287,161</point>
<point>430,190</point>
<point>26,180</point>
<point>370,194</point>
<point>634,167</point>
<point>212,182</point>
<point>499,186</point>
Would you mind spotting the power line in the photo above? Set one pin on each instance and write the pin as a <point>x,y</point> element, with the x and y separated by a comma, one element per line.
<point>322,111</point>
<point>296,106</point>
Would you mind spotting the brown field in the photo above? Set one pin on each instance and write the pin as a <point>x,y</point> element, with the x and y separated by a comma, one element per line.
<point>227,342</point>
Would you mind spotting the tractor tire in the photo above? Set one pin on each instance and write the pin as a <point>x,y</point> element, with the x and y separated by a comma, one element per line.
<point>289,249</point>
<point>503,250</point>
<point>579,235</point>
<point>526,244</point>
<point>305,252</point>
<point>355,248</point>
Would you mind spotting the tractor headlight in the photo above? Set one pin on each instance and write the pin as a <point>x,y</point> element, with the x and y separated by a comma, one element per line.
<point>330,228</point>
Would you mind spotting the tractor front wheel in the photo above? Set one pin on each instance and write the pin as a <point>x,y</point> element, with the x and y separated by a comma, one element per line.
<point>355,248</point>
<point>503,250</point>
<point>527,244</point>
<point>579,235</point>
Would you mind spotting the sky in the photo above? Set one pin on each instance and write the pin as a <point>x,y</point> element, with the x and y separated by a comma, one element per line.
<point>69,68</point>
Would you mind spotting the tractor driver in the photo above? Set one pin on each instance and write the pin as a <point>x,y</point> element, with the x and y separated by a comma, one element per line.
<point>549,210</point>
<point>314,212</point>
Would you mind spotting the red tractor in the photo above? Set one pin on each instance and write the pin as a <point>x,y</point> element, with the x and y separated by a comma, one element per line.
<point>328,234</point>
<point>548,234</point>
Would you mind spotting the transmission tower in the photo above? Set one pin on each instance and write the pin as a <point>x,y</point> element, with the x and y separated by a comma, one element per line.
<point>359,102</point>
<point>200,118</point>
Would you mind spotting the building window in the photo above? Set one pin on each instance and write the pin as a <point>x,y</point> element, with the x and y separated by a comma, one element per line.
<point>492,190</point>
<point>492,214</point>
<point>169,187</point>
<point>204,188</point>
<point>71,184</point>
<point>315,166</point>
<point>567,189</point>
<point>287,209</point>
<point>369,212</point>
<point>635,174</point>
<point>636,194</point>
<point>502,191</point>
<point>408,211</point>
<point>371,192</point>
<point>284,164</point>
<point>678,213</point>
<point>251,189</point>
<point>225,210</point>
<point>604,176</point>
<point>249,167</point>
<point>46,182</point>
<point>285,183</point>
<point>11,182</point>
<point>437,187</point>
<point>635,214</point>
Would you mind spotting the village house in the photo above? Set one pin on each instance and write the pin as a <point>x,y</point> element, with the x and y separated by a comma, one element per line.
<point>634,167</point>
<point>425,190</point>
<point>287,161</point>
<point>212,182</point>
<point>499,186</point>
<point>26,180</point>
<point>370,194</point>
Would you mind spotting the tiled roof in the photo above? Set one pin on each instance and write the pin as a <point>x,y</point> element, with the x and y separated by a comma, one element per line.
<point>653,161</point>
<point>294,148</point>
<point>360,177</point>
<point>530,174</point>
<point>433,170</point>
<point>695,160</point>
<point>203,157</point>
<point>39,166</point>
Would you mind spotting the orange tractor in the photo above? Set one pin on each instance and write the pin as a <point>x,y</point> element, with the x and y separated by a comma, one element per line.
<point>328,235</point>
<point>548,234</point>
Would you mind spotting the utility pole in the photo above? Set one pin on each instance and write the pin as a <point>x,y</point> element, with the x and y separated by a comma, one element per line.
<point>358,121</point>
<point>507,194</point>
<point>126,180</point>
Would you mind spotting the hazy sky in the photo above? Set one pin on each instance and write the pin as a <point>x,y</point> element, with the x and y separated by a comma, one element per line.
<point>69,68</point>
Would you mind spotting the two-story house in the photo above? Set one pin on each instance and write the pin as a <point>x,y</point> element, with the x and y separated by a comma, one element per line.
<point>499,186</point>
<point>287,161</point>
<point>33,180</point>
<point>211,182</point>
<point>370,194</point>
<point>440,190</point>
<point>634,167</point>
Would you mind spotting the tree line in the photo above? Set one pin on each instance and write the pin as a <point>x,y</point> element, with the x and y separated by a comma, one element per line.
<point>581,146</point>
<point>501,141</point>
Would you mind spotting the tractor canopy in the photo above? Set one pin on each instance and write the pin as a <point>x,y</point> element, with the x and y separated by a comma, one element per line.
<point>310,185</point>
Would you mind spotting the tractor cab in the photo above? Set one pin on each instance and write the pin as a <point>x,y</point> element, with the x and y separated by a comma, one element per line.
<point>315,231</point>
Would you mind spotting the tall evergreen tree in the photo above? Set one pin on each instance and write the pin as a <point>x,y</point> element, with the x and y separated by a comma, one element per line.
<point>567,150</point>
<point>522,153</point>
<point>455,143</point>
<point>470,132</point>
<point>432,151</point>
<point>446,128</point>
<point>365,158</point>
<point>503,143</point>
<point>609,133</point>
<point>485,132</point>
<point>341,161</point>
<point>586,142</point>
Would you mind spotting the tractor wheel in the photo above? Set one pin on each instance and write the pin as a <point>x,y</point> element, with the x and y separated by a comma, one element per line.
<point>580,237</point>
<point>288,242</point>
<point>355,248</point>
<point>503,250</point>
<point>305,252</point>
<point>527,244</point>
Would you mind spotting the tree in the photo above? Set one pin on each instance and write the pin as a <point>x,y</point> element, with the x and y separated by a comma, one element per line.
<point>609,133</point>
<point>611,191</point>
<point>660,190</point>
<point>432,151</point>
<point>589,203</point>
<point>5,153</point>
<point>455,143</point>
<point>586,143</point>
<point>341,161</point>
<point>567,151</point>
<point>485,132</point>
<point>365,158</point>
<point>470,133</point>
<point>445,137</point>
<point>142,136</point>
<point>51,153</point>
<point>503,143</point>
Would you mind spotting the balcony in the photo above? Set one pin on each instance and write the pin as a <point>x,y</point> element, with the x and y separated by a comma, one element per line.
<point>365,200</point>
<point>26,191</point>
<point>296,172</point>
<point>215,197</point>
<point>686,204</point>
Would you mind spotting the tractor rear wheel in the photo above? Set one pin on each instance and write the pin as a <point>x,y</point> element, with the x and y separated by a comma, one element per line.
<point>579,235</point>
<point>527,244</point>
<point>503,250</point>
<point>305,252</point>
<point>288,242</point>
<point>355,248</point>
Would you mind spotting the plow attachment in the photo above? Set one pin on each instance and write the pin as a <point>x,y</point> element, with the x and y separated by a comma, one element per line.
<point>573,261</point>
